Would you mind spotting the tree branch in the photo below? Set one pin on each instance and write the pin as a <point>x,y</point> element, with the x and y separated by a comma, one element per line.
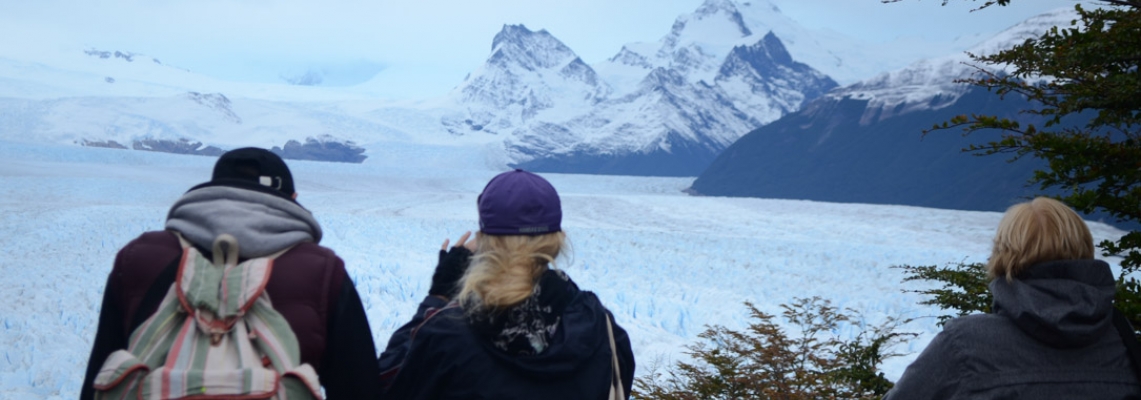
<point>1123,3</point>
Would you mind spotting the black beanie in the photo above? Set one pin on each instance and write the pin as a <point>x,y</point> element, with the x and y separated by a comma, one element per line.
<point>253,168</point>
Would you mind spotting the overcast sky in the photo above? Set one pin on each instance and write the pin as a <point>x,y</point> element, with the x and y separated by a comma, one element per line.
<point>425,47</point>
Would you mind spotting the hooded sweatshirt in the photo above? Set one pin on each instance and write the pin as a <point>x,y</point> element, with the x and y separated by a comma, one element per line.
<point>1050,337</point>
<point>262,223</point>
<point>552,346</point>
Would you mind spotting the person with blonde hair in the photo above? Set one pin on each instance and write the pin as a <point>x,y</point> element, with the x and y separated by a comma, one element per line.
<point>501,322</point>
<point>1051,334</point>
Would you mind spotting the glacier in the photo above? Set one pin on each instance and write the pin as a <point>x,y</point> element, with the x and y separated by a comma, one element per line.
<point>667,264</point>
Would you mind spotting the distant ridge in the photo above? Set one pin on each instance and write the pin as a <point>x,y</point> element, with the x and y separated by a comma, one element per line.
<point>864,143</point>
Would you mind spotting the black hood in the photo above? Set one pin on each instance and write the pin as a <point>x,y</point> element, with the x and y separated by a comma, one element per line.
<point>1065,304</point>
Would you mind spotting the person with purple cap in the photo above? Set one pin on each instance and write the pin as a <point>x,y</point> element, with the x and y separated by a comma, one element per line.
<point>251,196</point>
<point>500,322</point>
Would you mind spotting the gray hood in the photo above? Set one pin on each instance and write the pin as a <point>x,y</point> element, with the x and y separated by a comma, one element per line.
<point>262,223</point>
<point>1065,304</point>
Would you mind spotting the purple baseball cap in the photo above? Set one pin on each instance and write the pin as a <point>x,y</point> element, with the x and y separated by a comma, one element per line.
<point>519,203</point>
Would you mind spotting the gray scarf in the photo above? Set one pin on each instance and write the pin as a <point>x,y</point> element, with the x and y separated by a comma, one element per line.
<point>262,223</point>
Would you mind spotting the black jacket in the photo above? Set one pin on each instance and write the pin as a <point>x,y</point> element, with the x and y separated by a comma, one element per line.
<point>442,354</point>
<point>1051,337</point>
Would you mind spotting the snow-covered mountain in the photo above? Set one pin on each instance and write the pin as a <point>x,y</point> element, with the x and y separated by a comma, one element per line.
<point>685,108</point>
<point>529,76</point>
<point>930,83</point>
<point>865,143</point>
<point>703,38</point>
<point>721,71</point>
<point>767,68</point>
<point>190,123</point>
<point>656,108</point>
<point>120,99</point>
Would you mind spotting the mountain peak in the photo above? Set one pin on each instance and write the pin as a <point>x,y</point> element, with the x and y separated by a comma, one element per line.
<point>527,74</point>
<point>716,12</point>
<point>764,56</point>
<point>767,67</point>
<point>714,6</point>
<point>532,50</point>
<point>517,34</point>
<point>775,48</point>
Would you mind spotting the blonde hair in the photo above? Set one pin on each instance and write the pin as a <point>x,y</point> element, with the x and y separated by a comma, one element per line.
<point>504,269</point>
<point>1037,231</point>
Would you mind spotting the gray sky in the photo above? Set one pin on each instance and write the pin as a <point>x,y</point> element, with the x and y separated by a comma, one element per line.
<point>425,47</point>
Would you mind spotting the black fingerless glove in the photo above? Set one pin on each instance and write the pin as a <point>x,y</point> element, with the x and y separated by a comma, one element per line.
<point>449,270</point>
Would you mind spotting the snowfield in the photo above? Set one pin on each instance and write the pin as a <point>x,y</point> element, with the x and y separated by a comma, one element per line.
<point>667,264</point>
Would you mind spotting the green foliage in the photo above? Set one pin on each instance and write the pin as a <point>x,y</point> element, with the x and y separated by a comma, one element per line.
<point>766,362</point>
<point>1088,70</point>
<point>964,288</point>
<point>862,357</point>
<point>1094,68</point>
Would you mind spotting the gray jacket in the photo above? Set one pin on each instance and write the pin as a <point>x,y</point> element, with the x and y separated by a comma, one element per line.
<point>1051,337</point>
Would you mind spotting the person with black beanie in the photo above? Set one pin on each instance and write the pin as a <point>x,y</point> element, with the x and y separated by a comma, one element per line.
<point>252,198</point>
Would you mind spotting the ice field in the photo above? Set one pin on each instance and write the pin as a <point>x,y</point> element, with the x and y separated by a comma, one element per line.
<point>665,263</point>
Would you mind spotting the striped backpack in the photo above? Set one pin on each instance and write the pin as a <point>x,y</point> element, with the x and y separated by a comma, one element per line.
<point>214,336</point>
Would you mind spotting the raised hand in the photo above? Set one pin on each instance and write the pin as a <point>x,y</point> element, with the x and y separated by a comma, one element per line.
<point>451,267</point>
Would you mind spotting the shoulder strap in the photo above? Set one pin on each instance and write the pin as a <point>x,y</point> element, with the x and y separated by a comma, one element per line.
<point>399,348</point>
<point>1130,340</point>
<point>156,292</point>
<point>616,389</point>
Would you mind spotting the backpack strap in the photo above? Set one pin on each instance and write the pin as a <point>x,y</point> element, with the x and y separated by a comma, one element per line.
<point>616,389</point>
<point>155,293</point>
<point>397,355</point>
<point>1129,338</point>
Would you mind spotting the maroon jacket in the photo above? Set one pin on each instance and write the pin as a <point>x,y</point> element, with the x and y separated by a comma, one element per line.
<point>309,287</point>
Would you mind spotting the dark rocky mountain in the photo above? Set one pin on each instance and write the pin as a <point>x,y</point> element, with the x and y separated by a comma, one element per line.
<point>326,149</point>
<point>825,153</point>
